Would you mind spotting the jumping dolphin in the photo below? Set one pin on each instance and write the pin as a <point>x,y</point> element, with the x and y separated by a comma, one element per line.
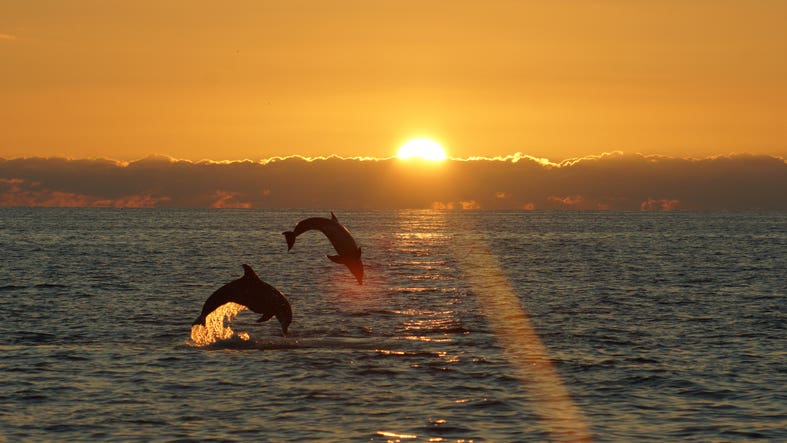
<point>342,241</point>
<point>254,294</point>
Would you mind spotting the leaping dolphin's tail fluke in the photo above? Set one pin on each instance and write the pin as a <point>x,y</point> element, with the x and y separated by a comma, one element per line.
<point>199,320</point>
<point>290,236</point>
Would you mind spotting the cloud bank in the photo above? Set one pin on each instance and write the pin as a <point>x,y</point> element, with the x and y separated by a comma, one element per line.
<point>607,182</point>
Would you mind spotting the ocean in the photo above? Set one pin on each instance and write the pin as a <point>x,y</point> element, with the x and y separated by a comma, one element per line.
<point>470,326</point>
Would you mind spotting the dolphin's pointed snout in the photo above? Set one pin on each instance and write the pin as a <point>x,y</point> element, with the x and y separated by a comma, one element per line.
<point>358,273</point>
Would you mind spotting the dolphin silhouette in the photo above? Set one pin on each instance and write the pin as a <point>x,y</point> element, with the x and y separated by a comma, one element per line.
<point>342,241</point>
<point>252,293</point>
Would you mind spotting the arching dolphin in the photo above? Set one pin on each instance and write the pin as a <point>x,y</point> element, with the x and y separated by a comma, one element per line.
<point>253,293</point>
<point>342,241</point>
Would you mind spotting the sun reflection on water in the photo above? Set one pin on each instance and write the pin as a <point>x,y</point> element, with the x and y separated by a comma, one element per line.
<point>430,326</point>
<point>395,436</point>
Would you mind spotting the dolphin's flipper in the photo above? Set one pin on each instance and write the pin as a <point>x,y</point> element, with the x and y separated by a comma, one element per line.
<point>265,317</point>
<point>338,259</point>
<point>290,236</point>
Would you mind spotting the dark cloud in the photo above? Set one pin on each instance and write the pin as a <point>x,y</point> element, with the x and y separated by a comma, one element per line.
<point>607,182</point>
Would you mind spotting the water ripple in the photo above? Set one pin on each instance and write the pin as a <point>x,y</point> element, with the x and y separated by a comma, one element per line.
<point>662,327</point>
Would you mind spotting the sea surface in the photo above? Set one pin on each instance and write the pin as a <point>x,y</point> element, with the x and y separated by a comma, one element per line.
<point>470,326</point>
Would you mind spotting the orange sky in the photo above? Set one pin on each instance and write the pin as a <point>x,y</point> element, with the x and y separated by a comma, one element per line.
<point>254,79</point>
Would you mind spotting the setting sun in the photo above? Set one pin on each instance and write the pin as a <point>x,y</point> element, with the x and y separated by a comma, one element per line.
<point>422,148</point>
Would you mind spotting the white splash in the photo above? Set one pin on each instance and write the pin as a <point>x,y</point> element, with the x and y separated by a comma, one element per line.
<point>217,326</point>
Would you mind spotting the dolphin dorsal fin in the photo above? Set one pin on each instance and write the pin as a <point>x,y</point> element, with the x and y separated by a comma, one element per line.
<point>249,273</point>
<point>333,217</point>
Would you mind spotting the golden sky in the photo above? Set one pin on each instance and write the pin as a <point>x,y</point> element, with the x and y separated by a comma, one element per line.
<point>254,79</point>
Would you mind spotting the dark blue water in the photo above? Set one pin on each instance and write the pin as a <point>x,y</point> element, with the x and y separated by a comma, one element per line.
<point>482,326</point>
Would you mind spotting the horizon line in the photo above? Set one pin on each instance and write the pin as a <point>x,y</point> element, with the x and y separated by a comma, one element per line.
<point>512,158</point>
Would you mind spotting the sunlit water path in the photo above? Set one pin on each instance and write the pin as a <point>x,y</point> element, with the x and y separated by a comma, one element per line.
<point>483,326</point>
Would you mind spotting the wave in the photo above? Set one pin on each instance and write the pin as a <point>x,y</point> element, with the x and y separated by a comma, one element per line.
<point>245,341</point>
<point>11,288</point>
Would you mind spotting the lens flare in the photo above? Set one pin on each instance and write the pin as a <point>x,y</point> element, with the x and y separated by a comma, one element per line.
<point>527,355</point>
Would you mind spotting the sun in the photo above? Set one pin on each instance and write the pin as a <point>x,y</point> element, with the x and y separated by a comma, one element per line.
<point>422,148</point>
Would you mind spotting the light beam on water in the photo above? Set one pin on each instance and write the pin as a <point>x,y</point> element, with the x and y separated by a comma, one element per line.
<point>521,345</point>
